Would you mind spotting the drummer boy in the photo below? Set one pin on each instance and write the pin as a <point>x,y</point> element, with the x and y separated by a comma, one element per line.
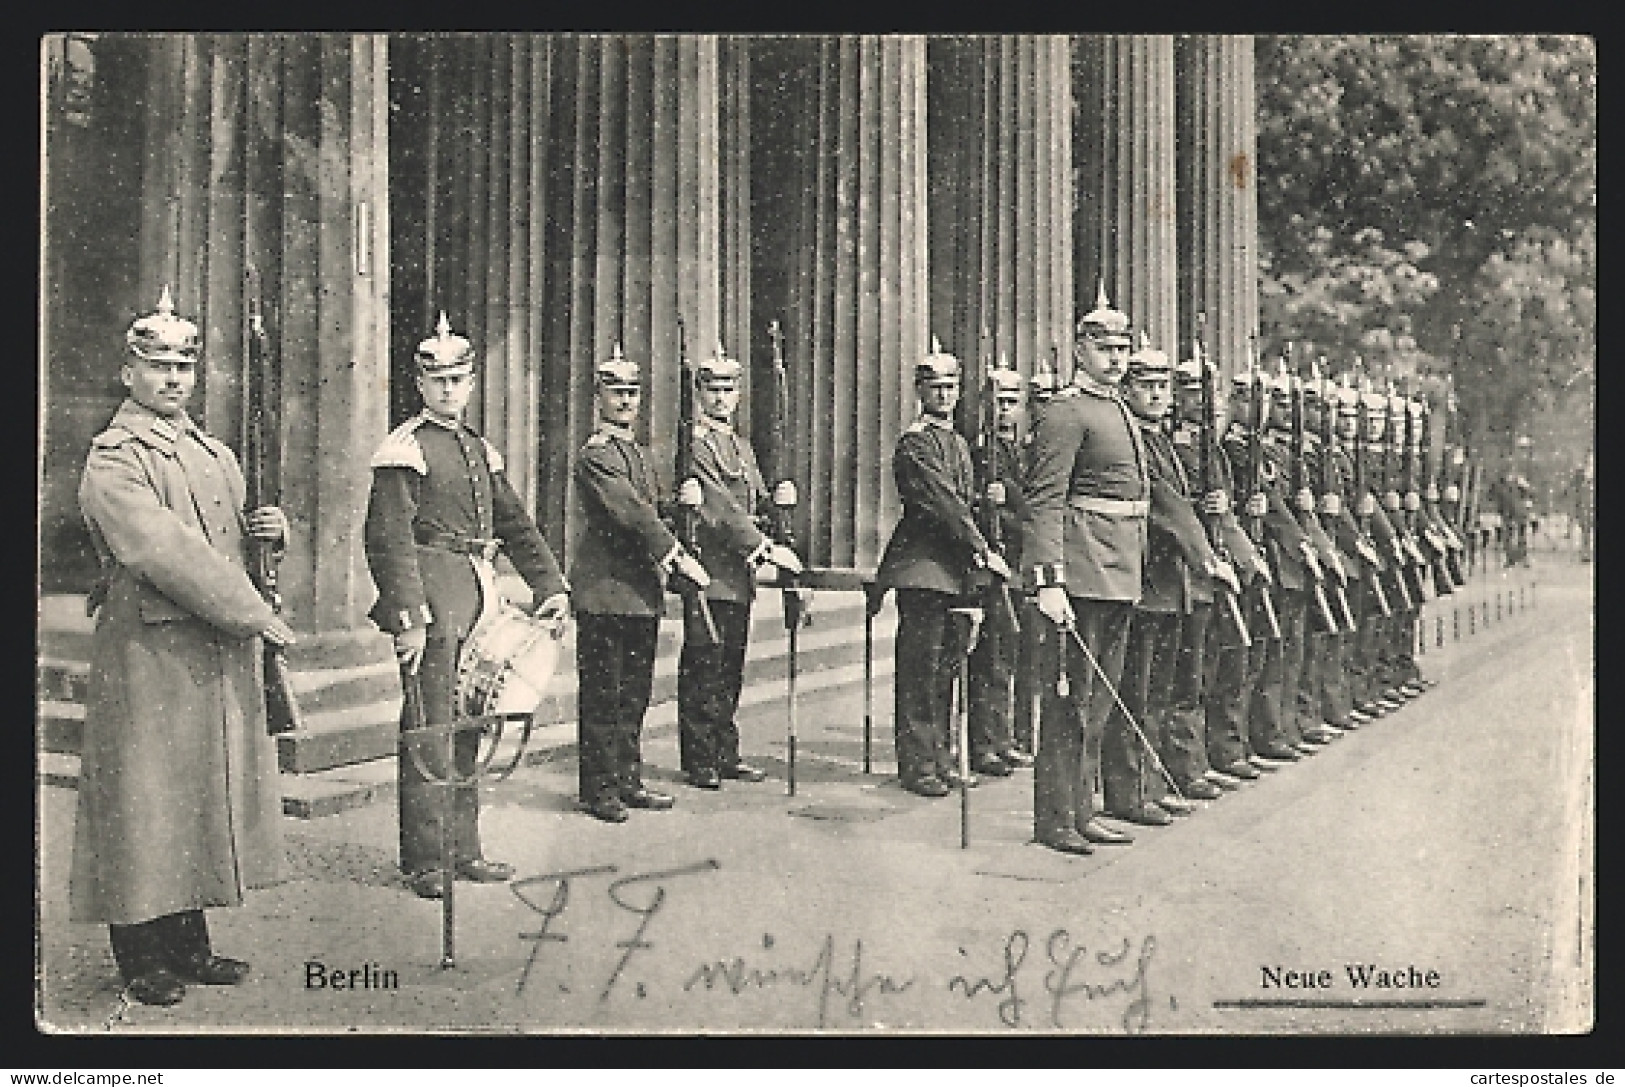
<point>441,507</point>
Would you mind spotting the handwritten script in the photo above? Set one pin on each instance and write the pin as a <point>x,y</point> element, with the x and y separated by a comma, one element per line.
<point>1067,975</point>
<point>738,975</point>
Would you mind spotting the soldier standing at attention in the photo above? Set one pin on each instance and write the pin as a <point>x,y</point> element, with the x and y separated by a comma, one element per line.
<point>1179,563</point>
<point>709,677</point>
<point>992,662</point>
<point>930,560</point>
<point>1035,630</point>
<point>623,559</point>
<point>1087,501</point>
<point>178,797</point>
<point>441,506</point>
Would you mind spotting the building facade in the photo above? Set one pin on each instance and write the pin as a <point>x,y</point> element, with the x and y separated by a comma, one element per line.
<point>558,193</point>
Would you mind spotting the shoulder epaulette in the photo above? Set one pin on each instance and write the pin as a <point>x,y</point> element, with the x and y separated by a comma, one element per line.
<point>492,457</point>
<point>111,438</point>
<point>916,427</point>
<point>595,439</point>
<point>401,449</point>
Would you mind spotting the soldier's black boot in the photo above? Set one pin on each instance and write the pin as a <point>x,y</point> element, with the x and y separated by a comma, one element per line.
<point>190,956</point>
<point>141,956</point>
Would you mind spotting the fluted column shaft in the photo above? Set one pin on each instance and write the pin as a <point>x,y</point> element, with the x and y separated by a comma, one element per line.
<point>1218,266</point>
<point>1125,156</point>
<point>1001,207</point>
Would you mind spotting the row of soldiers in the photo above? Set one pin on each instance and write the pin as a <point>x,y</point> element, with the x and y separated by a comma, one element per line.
<point>1199,607</point>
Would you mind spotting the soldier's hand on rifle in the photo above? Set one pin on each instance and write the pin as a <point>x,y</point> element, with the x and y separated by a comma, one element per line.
<point>1331,504</point>
<point>1224,572</point>
<point>995,493</point>
<point>278,633</point>
<point>1257,505</point>
<point>268,523</point>
<point>409,646</point>
<point>1413,501</point>
<point>1304,500</point>
<point>1216,503</point>
<point>1367,506</point>
<point>555,609</point>
<point>997,566</point>
<point>689,494</point>
<point>784,558</point>
<point>689,567</point>
<point>784,494</point>
<point>1311,557</point>
<point>1053,603</point>
<point>1390,501</point>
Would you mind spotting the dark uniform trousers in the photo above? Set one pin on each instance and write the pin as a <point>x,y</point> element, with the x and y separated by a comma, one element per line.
<point>1231,668</point>
<point>709,678</point>
<point>928,656</point>
<point>1184,736</point>
<point>615,657</point>
<point>1037,633</point>
<point>1273,717</point>
<point>1325,690</point>
<point>1070,735</point>
<point>1129,775</point>
<point>992,665</point>
<point>423,796</point>
<point>1365,664</point>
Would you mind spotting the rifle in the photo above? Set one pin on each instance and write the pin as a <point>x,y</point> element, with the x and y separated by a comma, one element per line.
<point>1255,472</point>
<point>1447,565</point>
<point>697,616</point>
<point>1419,571</point>
<point>784,533</point>
<point>1401,563</point>
<point>1317,576</point>
<point>1328,472</point>
<point>998,590</point>
<point>1208,435</point>
<point>264,556</point>
<point>1362,492</point>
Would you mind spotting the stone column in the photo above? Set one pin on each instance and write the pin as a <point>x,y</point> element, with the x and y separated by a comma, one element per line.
<point>1218,194</point>
<point>1001,208</point>
<point>1124,152</point>
<point>839,131</point>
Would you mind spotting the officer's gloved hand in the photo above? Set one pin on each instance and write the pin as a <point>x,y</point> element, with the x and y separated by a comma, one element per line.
<point>409,645</point>
<point>278,633</point>
<point>997,565</point>
<point>268,523</point>
<point>784,558</point>
<point>1216,503</point>
<point>784,494</point>
<point>1054,605</point>
<point>995,493</point>
<point>1257,505</point>
<point>689,567</point>
<point>555,610</point>
<point>689,494</point>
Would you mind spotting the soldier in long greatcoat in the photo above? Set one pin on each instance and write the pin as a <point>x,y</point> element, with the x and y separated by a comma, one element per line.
<point>178,795</point>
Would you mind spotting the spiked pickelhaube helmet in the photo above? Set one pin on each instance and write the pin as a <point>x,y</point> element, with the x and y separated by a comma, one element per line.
<point>161,336</point>
<point>1147,361</point>
<point>445,352</point>
<point>718,368</point>
<point>618,371</point>
<point>937,366</point>
<point>1105,325</point>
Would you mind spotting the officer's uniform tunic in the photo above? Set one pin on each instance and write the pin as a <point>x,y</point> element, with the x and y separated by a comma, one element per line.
<point>619,567</point>
<point>731,546</point>
<point>178,799</point>
<point>441,502</point>
<point>1088,500</point>
<point>1176,544</point>
<point>993,660</point>
<point>929,560</point>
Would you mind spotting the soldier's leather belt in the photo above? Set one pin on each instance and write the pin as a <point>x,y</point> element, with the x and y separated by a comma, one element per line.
<point>1118,507</point>
<point>462,545</point>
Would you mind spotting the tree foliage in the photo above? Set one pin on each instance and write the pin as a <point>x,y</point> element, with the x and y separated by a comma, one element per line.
<point>1429,202</point>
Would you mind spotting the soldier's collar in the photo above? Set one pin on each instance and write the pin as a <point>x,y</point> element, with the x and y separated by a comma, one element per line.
<point>936,420</point>
<point>452,425</point>
<point>623,433</point>
<point>1084,383</point>
<point>139,419</point>
<point>715,424</point>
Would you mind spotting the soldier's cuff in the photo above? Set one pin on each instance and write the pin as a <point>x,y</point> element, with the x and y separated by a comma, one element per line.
<point>418,617</point>
<point>1046,574</point>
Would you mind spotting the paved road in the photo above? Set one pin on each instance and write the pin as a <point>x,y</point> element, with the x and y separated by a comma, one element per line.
<point>1452,837</point>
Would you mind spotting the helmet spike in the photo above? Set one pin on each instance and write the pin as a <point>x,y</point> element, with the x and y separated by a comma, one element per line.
<point>442,327</point>
<point>1101,301</point>
<point>936,346</point>
<point>721,354</point>
<point>615,352</point>
<point>166,305</point>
